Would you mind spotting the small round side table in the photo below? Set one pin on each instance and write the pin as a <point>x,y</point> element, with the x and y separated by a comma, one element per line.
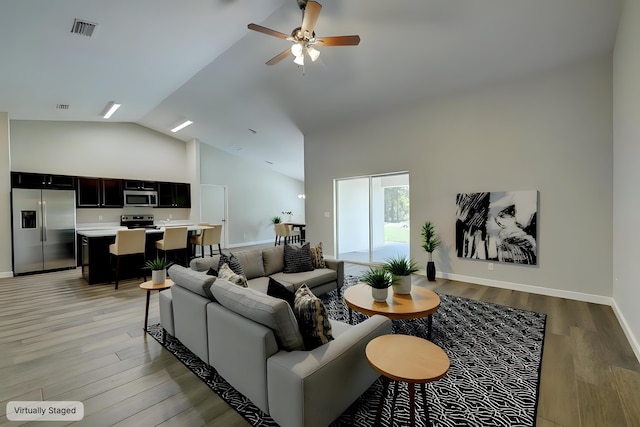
<point>409,359</point>
<point>149,286</point>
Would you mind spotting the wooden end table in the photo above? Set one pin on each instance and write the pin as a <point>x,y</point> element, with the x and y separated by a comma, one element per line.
<point>409,359</point>
<point>149,286</point>
<point>421,302</point>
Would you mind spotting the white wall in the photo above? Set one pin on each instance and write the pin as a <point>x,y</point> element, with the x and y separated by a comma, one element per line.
<point>626,195</point>
<point>550,132</point>
<point>5,189</point>
<point>255,195</point>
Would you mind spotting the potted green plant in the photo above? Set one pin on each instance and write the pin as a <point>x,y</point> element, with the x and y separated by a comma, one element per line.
<point>379,280</point>
<point>430,242</point>
<point>401,268</point>
<point>158,269</point>
<point>276,220</point>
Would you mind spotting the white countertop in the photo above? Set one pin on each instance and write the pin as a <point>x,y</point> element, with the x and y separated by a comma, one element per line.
<point>111,231</point>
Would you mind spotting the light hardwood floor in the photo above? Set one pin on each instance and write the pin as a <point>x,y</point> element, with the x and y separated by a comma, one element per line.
<point>61,339</point>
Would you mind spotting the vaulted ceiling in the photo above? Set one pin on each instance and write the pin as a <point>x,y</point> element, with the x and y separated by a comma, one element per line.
<point>167,60</point>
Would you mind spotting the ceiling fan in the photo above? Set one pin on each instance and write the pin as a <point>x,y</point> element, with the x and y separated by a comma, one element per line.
<point>304,37</point>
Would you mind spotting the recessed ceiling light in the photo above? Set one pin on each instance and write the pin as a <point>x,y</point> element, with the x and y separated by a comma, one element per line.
<point>110,109</point>
<point>181,126</point>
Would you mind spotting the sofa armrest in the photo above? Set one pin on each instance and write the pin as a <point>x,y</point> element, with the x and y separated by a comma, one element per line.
<point>338,266</point>
<point>308,388</point>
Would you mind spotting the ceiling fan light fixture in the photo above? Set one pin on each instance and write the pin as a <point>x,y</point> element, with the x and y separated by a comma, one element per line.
<point>299,60</point>
<point>313,53</point>
<point>296,49</point>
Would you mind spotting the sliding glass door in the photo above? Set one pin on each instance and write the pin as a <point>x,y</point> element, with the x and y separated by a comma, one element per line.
<point>372,221</point>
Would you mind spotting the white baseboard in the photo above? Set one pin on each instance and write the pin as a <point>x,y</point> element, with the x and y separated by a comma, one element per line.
<point>6,274</point>
<point>579,296</point>
<point>635,345</point>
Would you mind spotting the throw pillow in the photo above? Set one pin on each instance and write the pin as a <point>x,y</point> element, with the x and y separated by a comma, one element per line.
<point>212,272</point>
<point>317,256</point>
<point>278,290</point>
<point>297,259</point>
<point>227,274</point>
<point>312,318</point>
<point>232,262</point>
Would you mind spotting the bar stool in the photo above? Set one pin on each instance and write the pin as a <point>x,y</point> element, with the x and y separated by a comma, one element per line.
<point>174,238</point>
<point>128,243</point>
<point>208,237</point>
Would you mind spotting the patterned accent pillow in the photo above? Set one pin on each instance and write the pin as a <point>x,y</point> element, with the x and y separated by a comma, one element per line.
<point>227,274</point>
<point>278,290</point>
<point>232,262</point>
<point>297,259</point>
<point>212,272</point>
<point>317,257</point>
<point>312,318</point>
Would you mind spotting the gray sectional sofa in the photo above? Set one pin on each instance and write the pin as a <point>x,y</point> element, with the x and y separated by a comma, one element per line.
<point>253,340</point>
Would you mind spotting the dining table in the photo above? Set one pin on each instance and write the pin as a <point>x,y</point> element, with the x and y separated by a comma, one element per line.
<point>300,226</point>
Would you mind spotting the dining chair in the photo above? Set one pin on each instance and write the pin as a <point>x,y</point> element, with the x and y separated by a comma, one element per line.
<point>129,243</point>
<point>173,240</point>
<point>208,237</point>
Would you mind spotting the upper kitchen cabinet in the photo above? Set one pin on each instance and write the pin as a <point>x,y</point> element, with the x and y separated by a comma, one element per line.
<point>99,193</point>
<point>39,180</point>
<point>140,185</point>
<point>174,195</point>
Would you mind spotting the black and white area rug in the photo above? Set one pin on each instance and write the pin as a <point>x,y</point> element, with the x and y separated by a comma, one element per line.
<point>495,353</point>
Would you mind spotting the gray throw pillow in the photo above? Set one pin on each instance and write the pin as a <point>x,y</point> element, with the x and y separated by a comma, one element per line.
<point>232,262</point>
<point>297,258</point>
<point>312,318</point>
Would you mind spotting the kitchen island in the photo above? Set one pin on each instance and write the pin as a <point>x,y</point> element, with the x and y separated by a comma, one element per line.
<point>94,255</point>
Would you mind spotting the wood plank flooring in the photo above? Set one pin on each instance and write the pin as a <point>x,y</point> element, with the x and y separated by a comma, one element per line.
<point>61,339</point>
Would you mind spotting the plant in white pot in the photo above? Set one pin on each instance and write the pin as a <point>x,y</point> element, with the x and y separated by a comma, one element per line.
<point>401,268</point>
<point>379,280</point>
<point>158,269</point>
<point>430,242</point>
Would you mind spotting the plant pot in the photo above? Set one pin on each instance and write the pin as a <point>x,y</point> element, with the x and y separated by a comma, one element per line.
<point>158,277</point>
<point>402,286</point>
<point>431,271</point>
<point>380,295</point>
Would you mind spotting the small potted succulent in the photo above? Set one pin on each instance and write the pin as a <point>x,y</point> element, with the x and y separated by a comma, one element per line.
<point>276,220</point>
<point>379,280</point>
<point>401,268</point>
<point>158,269</point>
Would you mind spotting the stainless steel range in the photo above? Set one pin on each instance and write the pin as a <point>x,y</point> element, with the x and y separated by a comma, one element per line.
<point>138,221</point>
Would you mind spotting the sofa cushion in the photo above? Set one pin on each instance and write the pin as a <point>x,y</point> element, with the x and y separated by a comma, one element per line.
<point>278,290</point>
<point>273,259</point>
<point>195,281</point>
<point>204,264</point>
<point>317,257</point>
<point>251,262</point>
<point>319,276</point>
<point>312,319</point>
<point>232,262</point>
<point>226,273</point>
<point>297,258</point>
<point>271,312</point>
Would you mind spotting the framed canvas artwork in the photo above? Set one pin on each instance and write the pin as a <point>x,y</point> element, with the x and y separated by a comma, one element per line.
<point>498,226</point>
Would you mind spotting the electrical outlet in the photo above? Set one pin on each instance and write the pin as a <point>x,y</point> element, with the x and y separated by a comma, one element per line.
<point>244,236</point>
<point>327,214</point>
<point>170,216</point>
<point>100,217</point>
<point>491,266</point>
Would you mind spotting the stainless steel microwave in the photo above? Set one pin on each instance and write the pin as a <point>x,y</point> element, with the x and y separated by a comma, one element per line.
<point>140,198</point>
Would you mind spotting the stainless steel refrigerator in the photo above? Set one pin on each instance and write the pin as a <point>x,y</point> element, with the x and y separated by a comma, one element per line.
<point>44,230</point>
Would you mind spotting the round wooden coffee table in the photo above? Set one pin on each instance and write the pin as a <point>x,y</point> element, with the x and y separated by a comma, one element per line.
<point>149,286</point>
<point>421,302</point>
<point>409,359</point>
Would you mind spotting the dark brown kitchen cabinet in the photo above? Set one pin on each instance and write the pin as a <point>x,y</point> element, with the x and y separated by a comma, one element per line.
<point>99,193</point>
<point>39,180</point>
<point>140,185</point>
<point>174,195</point>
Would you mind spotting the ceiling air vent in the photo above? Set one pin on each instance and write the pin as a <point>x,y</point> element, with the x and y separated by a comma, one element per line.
<point>62,106</point>
<point>84,28</point>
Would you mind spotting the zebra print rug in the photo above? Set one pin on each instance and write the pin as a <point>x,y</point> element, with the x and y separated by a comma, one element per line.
<point>495,354</point>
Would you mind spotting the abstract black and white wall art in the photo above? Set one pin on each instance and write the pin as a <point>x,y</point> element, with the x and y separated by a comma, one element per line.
<point>498,226</point>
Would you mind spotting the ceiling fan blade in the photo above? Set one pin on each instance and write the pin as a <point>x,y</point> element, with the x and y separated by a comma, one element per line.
<point>339,41</point>
<point>279,57</point>
<point>310,17</point>
<point>268,31</point>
